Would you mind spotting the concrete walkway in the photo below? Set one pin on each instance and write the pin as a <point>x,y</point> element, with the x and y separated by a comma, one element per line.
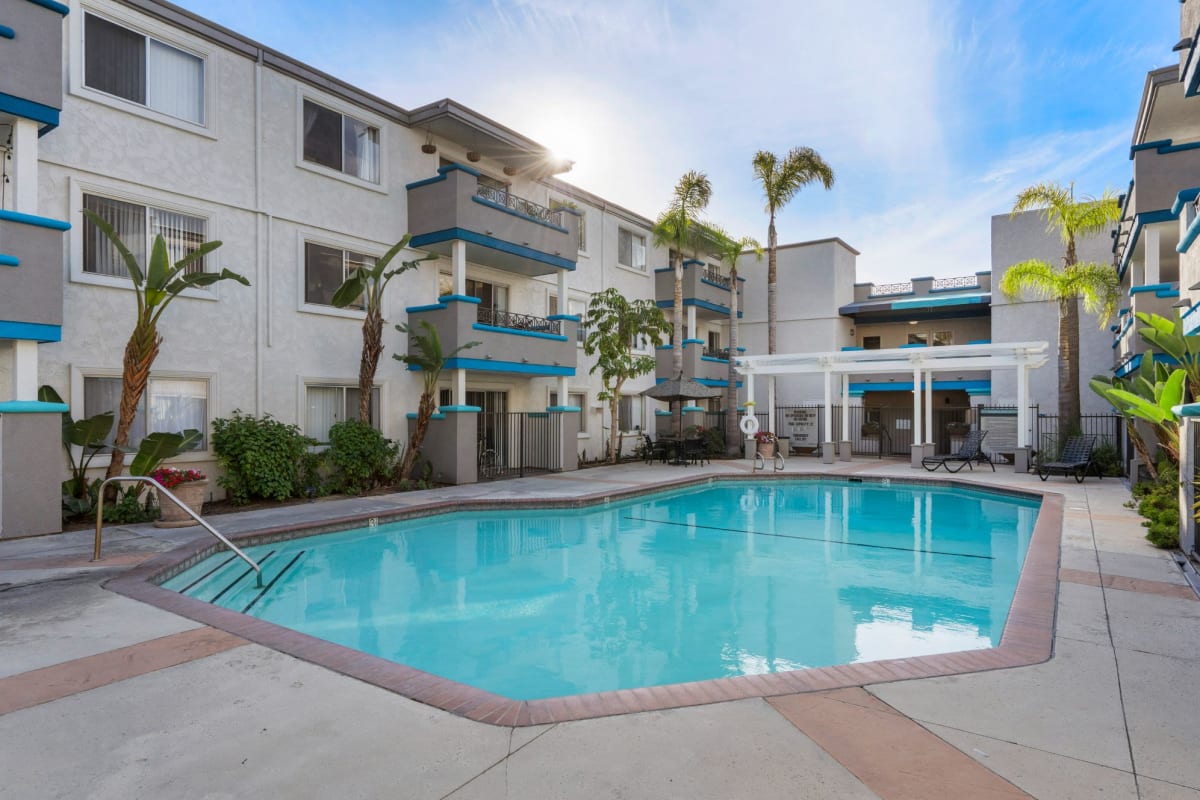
<point>102,696</point>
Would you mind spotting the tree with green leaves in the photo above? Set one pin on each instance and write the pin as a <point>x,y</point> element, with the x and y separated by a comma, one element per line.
<point>1097,285</point>
<point>781,180</point>
<point>424,353</point>
<point>728,250</point>
<point>365,286</point>
<point>154,287</point>
<point>614,323</point>
<point>676,228</point>
<point>1167,336</point>
<point>1148,395</point>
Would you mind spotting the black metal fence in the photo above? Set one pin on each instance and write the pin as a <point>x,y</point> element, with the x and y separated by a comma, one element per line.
<point>514,444</point>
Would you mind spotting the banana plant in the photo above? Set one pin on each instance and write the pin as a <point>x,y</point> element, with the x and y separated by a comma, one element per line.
<point>88,434</point>
<point>1148,397</point>
<point>1167,336</point>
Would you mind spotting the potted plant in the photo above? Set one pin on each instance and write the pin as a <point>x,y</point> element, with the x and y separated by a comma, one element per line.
<point>766,443</point>
<point>958,428</point>
<point>189,486</point>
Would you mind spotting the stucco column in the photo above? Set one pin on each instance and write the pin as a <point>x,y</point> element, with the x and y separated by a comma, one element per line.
<point>25,370</point>
<point>1021,455</point>
<point>1150,240</point>
<point>929,408</point>
<point>458,267</point>
<point>827,442</point>
<point>844,447</point>
<point>691,323</point>
<point>460,387</point>
<point>749,444</point>
<point>770,401</point>
<point>917,447</point>
<point>25,166</point>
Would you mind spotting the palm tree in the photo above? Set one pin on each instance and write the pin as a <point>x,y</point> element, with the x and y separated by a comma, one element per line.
<point>675,229</point>
<point>727,249</point>
<point>1098,285</point>
<point>780,181</point>
<point>154,288</point>
<point>368,284</point>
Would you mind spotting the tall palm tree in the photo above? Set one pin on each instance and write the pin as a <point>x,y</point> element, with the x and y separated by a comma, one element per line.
<point>1098,285</point>
<point>675,229</point>
<point>727,249</point>
<point>780,181</point>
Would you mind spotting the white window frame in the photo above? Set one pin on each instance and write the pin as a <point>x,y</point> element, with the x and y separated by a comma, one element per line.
<point>168,35</point>
<point>345,109</point>
<point>638,404</point>
<point>144,197</point>
<point>342,243</point>
<point>583,408</point>
<point>582,300</point>
<point>78,374</point>
<point>645,270</point>
<point>341,383</point>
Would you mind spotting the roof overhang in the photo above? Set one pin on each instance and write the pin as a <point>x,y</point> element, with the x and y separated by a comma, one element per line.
<point>893,309</point>
<point>903,359</point>
<point>454,121</point>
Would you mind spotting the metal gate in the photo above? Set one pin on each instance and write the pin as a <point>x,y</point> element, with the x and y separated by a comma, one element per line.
<point>518,443</point>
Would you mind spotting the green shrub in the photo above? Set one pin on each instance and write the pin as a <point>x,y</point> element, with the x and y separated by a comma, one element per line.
<point>261,457</point>
<point>130,509</point>
<point>1108,458</point>
<point>360,457</point>
<point>1158,502</point>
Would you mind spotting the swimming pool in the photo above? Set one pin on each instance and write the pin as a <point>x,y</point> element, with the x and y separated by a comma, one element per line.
<point>726,579</point>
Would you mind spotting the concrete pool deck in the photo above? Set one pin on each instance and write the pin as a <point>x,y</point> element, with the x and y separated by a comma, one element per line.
<point>104,696</point>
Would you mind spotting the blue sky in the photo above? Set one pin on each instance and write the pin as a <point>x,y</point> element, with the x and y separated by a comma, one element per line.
<point>933,113</point>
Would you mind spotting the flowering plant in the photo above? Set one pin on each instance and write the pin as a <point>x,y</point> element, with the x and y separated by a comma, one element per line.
<point>171,477</point>
<point>765,437</point>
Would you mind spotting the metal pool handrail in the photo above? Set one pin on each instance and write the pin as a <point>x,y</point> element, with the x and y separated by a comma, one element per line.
<point>164,490</point>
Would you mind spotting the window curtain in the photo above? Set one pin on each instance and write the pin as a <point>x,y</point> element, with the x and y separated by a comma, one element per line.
<point>104,394</point>
<point>639,252</point>
<point>183,235</point>
<point>178,405</point>
<point>361,149</point>
<point>114,59</point>
<point>128,220</point>
<point>175,82</point>
<point>326,405</point>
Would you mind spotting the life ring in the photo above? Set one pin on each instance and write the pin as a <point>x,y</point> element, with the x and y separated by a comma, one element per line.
<point>749,425</point>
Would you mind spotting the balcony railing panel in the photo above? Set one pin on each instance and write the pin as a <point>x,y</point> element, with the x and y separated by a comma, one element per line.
<point>891,288</point>
<point>512,202</point>
<point>714,276</point>
<point>520,322</point>
<point>961,282</point>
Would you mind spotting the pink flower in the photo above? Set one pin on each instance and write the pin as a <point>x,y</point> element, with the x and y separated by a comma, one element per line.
<point>170,477</point>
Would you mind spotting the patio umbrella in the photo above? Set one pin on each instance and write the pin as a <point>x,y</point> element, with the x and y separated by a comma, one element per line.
<point>679,389</point>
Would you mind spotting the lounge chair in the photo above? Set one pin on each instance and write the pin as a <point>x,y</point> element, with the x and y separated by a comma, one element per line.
<point>970,451</point>
<point>1076,459</point>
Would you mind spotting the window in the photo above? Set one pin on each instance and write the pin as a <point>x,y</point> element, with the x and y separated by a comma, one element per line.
<point>326,268</point>
<point>714,340</point>
<point>169,405</point>
<point>943,338</point>
<point>918,338</point>
<point>579,400</point>
<point>327,404</point>
<point>583,231</point>
<point>629,412</point>
<point>340,142</point>
<point>631,249</point>
<point>138,226</point>
<point>142,70</point>
<point>491,296</point>
<point>870,343</point>
<point>577,308</point>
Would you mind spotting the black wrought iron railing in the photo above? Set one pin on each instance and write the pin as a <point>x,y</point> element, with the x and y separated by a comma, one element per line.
<point>713,275</point>
<point>717,352</point>
<point>520,322</point>
<point>520,205</point>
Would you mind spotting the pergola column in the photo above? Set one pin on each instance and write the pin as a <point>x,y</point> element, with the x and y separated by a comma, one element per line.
<point>827,444</point>
<point>918,447</point>
<point>749,445</point>
<point>1021,454</point>
<point>929,407</point>
<point>844,447</point>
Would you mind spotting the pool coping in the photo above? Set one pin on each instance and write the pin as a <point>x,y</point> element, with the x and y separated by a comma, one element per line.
<point>1028,636</point>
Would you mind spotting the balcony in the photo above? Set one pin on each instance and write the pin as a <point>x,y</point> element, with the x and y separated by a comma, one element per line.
<point>704,287</point>
<point>31,81</point>
<point>1159,298</point>
<point>706,365</point>
<point>31,283</point>
<point>518,344</point>
<point>921,299</point>
<point>499,228</point>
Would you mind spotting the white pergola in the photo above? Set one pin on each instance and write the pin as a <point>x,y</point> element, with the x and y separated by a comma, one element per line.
<point>922,362</point>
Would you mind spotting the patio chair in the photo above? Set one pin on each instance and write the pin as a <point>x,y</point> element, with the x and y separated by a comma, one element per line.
<point>652,450</point>
<point>695,452</point>
<point>1076,459</point>
<point>971,451</point>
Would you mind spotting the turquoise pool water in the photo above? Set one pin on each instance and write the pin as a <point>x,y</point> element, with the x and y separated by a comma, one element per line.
<point>732,578</point>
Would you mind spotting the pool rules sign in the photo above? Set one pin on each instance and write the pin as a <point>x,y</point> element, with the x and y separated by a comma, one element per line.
<point>801,426</point>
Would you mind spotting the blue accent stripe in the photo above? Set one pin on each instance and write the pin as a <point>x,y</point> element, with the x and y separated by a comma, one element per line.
<point>564,409</point>
<point>7,32</point>
<point>715,360</point>
<point>30,331</point>
<point>686,342</point>
<point>568,317</point>
<point>712,382</point>
<point>483,201</point>
<point>57,8</point>
<point>717,285</point>
<point>30,219</point>
<point>844,349</point>
<point>441,176</point>
<point>980,341</point>
<point>1163,146</point>
<point>450,234</point>
<point>9,261</point>
<point>658,412</point>
<point>419,309</point>
<point>435,415</point>
<point>461,409</point>
<point>691,408</point>
<point>459,298</point>
<point>691,301</point>
<point>20,107</point>
<point>1159,289</point>
<point>485,365</point>
<point>1140,221</point>
<point>1183,198</point>
<point>971,387</point>
<point>32,407</point>
<point>557,337</point>
<point>930,302</point>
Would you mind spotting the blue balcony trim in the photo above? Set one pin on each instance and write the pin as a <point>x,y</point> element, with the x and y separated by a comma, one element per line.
<point>459,298</point>
<point>435,415</point>
<point>1189,236</point>
<point>1159,289</point>
<point>714,283</point>
<point>558,337</point>
<point>7,32</point>
<point>450,234</point>
<point>441,176</point>
<point>1140,221</point>
<point>57,8</point>
<point>9,261</point>
<point>686,342</point>
<point>1123,330</point>
<point>665,347</point>
<point>691,408</point>
<point>691,301</point>
<point>419,309</point>
<point>30,331</point>
<point>486,365</point>
<point>564,409</point>
<point>713,382</point>
<point>460,409</point>
<point>845,349</point>
<point>30,219</point>
<point>1163,146</point>
<point>980,341</point>
<point>907,346</point>
<point>715,360</point>
<point>32,407</point>
<point>20,107</point>
<point>658,412</point>
<point>1183,198</point>
<point>568,317</point>
<point>687,262</point>
<point>483,201</point>
<point>953,300</point>
<point>981,386</point>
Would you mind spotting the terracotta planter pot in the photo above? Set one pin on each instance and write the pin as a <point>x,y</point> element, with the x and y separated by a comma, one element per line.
<point>766,449</point>
<point>191,494</point>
